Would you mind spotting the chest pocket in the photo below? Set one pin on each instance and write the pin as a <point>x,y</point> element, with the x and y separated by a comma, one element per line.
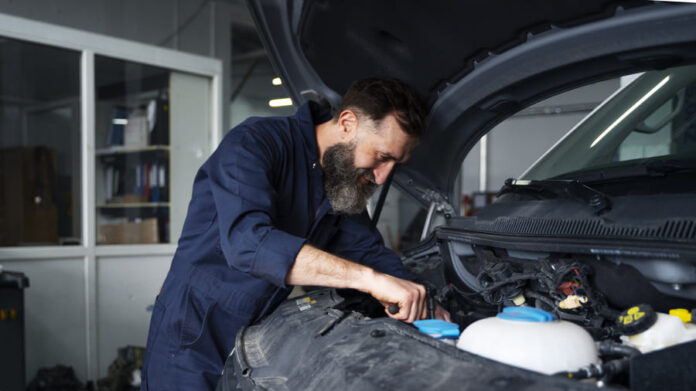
<point>325,231</point>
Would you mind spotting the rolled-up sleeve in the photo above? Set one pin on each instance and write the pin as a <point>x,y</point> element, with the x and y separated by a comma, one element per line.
<point>360,242</point>
<point>242,184</point>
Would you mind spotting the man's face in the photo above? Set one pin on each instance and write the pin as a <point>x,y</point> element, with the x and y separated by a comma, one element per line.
<point>354,169</point>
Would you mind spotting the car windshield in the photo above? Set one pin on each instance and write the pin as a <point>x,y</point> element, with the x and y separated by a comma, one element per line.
<point>651,119</point>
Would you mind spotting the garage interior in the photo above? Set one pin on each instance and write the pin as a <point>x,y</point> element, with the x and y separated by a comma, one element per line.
<point>92,204</point>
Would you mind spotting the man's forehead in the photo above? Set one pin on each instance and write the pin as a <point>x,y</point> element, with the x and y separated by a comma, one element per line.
<point>399,152</point>
<point>395,145</point>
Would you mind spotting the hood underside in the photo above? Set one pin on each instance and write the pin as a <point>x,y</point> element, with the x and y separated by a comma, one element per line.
<point>427,46</point>
<point>474,63</point>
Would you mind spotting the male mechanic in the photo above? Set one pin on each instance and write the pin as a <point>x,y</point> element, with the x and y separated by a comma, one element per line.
<point>281,202</point>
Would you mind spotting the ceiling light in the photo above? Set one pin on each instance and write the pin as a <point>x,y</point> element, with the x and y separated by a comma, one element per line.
<point>119,121</point>
<point>276,81</point>
<point>630,110</point>
<point>280,102</point>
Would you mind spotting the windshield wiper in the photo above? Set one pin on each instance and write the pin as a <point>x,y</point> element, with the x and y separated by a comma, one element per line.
<point>631,169</point>
<point>567,189</point>
<point>668,166</point>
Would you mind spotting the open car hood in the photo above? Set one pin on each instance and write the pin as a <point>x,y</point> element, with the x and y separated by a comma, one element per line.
<point>474,63</point>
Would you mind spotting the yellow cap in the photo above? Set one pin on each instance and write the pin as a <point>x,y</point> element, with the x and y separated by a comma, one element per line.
<point>681,313</point>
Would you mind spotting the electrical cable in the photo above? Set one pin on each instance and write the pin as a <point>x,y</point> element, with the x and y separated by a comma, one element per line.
<point>537,296</point>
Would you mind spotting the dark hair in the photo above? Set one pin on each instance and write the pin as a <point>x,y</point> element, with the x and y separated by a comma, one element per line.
<point>378,98</point>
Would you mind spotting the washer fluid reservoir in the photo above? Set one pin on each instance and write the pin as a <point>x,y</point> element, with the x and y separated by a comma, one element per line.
<point>530,338</point>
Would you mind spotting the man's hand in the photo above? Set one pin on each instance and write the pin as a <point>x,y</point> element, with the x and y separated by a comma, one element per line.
<point>442,314</point>
<point>409,296</point>
<point>316,267</point>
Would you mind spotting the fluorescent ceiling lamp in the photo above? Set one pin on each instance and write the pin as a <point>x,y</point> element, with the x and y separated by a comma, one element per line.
<point>677,1</point>
<point>276,81</point>
<point>119,121</point>
<point>280,102</point>
<point>630,110</point>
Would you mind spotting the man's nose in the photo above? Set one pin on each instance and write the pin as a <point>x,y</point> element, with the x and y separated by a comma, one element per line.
<point>382,171</point>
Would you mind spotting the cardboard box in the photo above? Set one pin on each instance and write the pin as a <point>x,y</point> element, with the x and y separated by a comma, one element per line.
<point>28,214</point>
<point>144,232</point>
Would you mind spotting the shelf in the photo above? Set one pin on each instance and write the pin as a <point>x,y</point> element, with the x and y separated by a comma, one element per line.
<point>119,149</point>
<point>135,205</point>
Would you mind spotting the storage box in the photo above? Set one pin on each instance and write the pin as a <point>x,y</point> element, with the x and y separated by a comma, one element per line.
<point>136,133</point>
<point>128,199</point>
<point>28,214</point>
<point>143,232</point>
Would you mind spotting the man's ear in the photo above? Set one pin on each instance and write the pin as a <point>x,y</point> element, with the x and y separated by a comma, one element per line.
<point>348,125</point>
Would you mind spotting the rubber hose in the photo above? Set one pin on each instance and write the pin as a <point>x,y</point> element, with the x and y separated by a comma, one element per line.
<point>608,347</point>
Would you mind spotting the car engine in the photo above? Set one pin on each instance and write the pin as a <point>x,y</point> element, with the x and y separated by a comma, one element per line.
<point>614,318</point>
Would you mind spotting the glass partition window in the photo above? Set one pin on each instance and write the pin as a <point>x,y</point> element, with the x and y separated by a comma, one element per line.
<point>132,157</point>
<point>40,165</point>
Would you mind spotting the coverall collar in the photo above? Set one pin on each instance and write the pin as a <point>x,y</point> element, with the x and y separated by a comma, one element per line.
<point>308,116</point>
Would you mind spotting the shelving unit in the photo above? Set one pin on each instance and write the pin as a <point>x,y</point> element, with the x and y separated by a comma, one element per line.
<point>114,149</point>
<point>133,154</point>
<point>104,290</point>
<point>136,205</point>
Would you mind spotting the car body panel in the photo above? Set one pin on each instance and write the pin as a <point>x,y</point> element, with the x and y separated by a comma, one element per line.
<point>531,62</point>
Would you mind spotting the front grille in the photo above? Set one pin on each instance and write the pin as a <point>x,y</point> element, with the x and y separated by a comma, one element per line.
<point>674,229</point>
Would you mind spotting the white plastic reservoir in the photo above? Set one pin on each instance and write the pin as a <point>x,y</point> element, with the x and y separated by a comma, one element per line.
<point>530,338</point>
<point>668,330</point>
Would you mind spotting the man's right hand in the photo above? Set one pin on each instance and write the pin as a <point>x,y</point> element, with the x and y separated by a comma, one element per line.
<point>316,267</point>
<point>409,296</point>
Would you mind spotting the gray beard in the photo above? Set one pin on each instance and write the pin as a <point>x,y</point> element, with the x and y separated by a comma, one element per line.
<point>342,184</point>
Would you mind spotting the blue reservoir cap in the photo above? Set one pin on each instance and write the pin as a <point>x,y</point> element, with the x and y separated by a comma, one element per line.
<point>437,328</point>
<point>525,314</point>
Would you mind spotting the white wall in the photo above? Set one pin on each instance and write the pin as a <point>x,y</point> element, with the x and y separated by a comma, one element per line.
<point>127,288</point>
<point>55,315</point>
<point>190,116</point>
<point>55,319</point>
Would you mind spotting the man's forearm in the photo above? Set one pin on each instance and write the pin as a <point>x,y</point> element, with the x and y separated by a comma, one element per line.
<point>316,267</point>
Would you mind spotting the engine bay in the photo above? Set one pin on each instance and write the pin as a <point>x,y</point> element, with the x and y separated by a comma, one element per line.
<point>637,307</point>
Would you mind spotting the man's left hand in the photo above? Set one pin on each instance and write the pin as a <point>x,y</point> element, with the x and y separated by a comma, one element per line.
<point>442,314</point>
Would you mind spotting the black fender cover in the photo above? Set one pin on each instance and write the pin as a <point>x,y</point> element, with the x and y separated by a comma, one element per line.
<point>307,344</point>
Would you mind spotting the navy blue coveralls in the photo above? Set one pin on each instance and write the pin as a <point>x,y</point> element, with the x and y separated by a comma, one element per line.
<point>256,201</point>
